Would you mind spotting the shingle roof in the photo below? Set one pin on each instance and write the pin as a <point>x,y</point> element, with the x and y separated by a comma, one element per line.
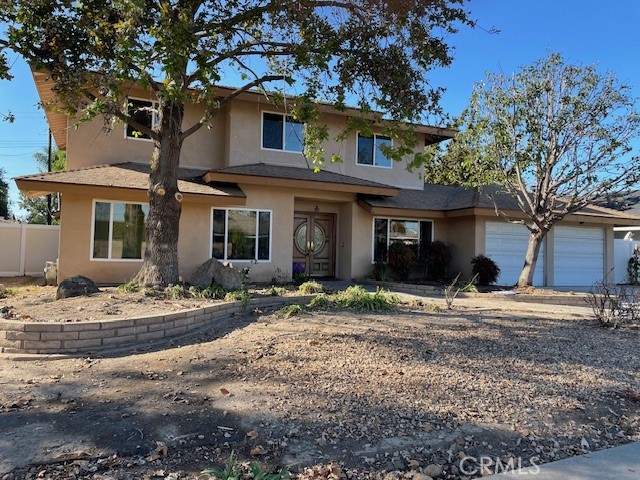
<point>297,173</point>
<point>454,197</point>
<point>134,176</point>
<point>629,203</point>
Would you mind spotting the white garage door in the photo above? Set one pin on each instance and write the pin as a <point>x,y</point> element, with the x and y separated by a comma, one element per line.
<point>578,256</point>
<point>506,244</point>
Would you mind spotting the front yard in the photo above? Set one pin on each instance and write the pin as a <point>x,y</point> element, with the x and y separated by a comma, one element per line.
<point>385,395</point>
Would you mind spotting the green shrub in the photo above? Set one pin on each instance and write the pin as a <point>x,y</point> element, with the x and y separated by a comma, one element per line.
<point>633,268</point>
<point>234,471</point>
<point>321,301</point>
<point>435,257</point>
<point>311,286</point>
<point>130,287</point>
<point>485,269</point>
<point>215,292</point>
<point>276,291</point>
<point>381,271</point>
<point>402,258</point>
<point>291,310</point>
<point>240,294</point>
<point>176,292</point>
<point>357,298</point>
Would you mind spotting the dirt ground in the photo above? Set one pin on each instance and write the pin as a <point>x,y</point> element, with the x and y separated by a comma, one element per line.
<point>404,395</point>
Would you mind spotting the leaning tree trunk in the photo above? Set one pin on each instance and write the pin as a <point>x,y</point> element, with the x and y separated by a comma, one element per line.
<point>531,258</point>
<point>160,264</point>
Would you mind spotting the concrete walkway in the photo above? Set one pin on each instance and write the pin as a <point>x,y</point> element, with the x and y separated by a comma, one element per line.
<point>618,463</point>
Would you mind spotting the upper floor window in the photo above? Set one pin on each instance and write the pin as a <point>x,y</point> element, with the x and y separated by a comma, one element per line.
<point>145,112</point>
<point>118,230</point>
<point>241,234</point>
<point>370,152</point>
<point>282,132</point>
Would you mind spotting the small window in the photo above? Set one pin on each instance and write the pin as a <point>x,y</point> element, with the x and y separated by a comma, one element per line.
<point>386,231</point>
<point>239,234</point>
<point>119,231</point>
<point>145,113</point>
<point>370,151</point>
<point>282,132</point>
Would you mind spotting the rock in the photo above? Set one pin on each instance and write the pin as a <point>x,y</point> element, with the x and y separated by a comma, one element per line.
<point>76,286</point>
<point>214,271</point>
<point>51,273</point>
<point>433,470</point>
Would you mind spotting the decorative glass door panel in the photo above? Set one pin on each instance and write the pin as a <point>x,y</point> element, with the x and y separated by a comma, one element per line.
<point>314,243</point>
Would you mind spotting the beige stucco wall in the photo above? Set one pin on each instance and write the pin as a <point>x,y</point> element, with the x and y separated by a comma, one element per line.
<point>460,234</point>
<point>245,147</point>
<point>87,144</point>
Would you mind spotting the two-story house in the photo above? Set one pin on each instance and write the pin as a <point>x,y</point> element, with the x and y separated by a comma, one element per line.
<point>249,197</point>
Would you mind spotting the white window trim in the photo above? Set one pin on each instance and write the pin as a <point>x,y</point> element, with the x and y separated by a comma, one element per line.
<point>154,118</point>
<point>402,219</point>
<point>358,135</point>
<point>262,147</point>
<point>226,234</point>
<point>93,226</point>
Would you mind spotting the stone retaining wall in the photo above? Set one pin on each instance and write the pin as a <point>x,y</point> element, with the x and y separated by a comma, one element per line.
<point>76,337</point>
<point>431,291</point>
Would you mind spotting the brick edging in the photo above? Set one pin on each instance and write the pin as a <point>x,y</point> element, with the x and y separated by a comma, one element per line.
<point>77,337</point>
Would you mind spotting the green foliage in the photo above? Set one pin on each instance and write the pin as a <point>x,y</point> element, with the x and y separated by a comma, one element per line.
<point>276,291</point>
<point>357,298</point>
<point>8,292</point>
<point>485,269</point>
<point>37,208</point>
<point>235,471</point>
<point>402,259</point>
<point>311,286</point>
<point>4,196</point>
<point>375,51</point>
<point>239,295</point>
<point>291,310</point>
<point>176,292</point>
<point>381,271</point>
<point>435,256</point>
<point>633,268</point>
<point>130,287</point>
<point>214,292</point>
<point>321,301</point>
<point>554,136</point>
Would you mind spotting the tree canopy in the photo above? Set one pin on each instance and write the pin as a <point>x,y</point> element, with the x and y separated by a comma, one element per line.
<point>4,196</point>
<point>37,209</point>
<point>555,136</point>
<point>376,51</point>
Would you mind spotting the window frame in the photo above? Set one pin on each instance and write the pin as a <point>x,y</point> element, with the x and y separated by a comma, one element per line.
<point>401,219</point>
<point>375,135</point>
<point>154,117</point>
<point>93,226</point>
<point>284,123</point>
<point>226,234</point>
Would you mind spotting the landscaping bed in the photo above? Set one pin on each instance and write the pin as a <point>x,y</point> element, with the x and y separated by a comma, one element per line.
<point>359,395</point>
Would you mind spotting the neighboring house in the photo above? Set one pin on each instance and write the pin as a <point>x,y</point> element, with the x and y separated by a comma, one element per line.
<point>250,198</point>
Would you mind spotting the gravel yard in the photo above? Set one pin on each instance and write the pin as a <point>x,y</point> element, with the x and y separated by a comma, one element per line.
<point>411,394</point>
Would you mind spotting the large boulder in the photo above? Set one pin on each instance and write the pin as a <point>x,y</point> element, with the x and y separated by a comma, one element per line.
<point>76,286</point>
<point>214,271</point>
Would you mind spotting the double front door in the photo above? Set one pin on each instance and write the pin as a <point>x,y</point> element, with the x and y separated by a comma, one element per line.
<point>314,242</point>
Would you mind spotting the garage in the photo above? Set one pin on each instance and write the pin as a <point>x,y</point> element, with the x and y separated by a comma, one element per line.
<point>579,256</point>
<point>506,244</point>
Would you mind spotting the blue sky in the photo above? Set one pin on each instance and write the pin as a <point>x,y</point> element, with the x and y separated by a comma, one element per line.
<point>584,31</point>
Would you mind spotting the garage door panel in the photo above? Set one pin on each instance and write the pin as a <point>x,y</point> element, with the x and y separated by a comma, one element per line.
<point>506,244</point>
<point>578,255</point>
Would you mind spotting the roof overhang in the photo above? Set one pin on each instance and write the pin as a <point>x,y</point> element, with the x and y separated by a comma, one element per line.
<point>57,120</point>
<point>229,177</point>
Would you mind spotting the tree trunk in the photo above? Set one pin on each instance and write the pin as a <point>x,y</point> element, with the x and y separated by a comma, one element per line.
<point>531,258</point>
<point>160,264</point>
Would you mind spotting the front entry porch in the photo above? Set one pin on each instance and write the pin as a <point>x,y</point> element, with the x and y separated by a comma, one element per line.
<point>314,242</point>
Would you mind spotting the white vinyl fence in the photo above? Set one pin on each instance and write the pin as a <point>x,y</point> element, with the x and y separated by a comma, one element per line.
<point>623,249</point>
<point>25,248</point>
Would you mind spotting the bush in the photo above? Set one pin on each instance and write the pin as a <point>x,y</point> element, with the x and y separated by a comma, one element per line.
<point>486,270</point>
<point>402,258</point>
<point>311,286</point>
<point>130,287</point>
<point>176,292</point>
<point>358,298</point>
<point>215,292</point>
<point>291,310</point>
<point>435,257</point>
<point>238,295</point>
<point>633,268</point>
<point>276,291</point>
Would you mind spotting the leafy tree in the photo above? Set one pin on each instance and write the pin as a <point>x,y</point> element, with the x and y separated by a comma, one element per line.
<point>37,209</point>
<point>554,136</point>
<point>377,50</point>
<point>4,196</point>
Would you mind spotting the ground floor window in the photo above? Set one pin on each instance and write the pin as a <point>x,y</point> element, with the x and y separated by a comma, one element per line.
<point>241,234</point>
<point>119,230</point>
<point>389,230</point>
